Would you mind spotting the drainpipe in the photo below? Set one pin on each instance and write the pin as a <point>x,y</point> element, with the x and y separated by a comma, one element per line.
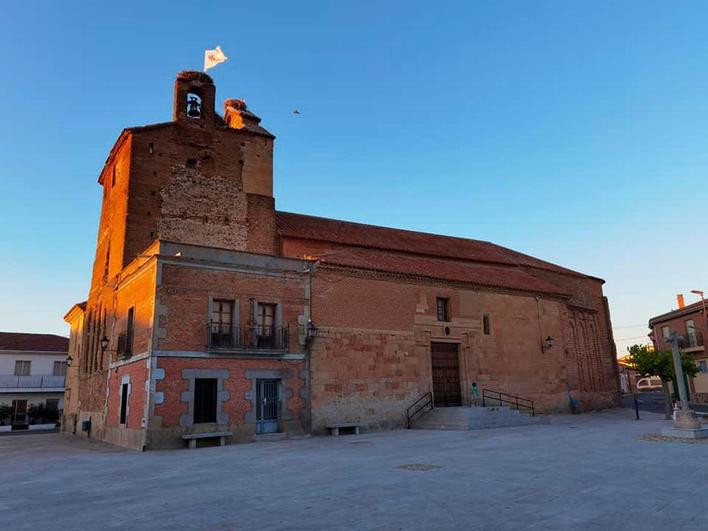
<point>308,345</point>
<point>540,333</point>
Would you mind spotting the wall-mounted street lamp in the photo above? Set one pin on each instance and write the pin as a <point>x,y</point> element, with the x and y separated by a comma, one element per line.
<point>548,344</point>
<point>310,331</point>
<point>104,342</point>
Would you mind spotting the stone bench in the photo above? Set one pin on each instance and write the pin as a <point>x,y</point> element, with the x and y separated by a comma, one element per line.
<point>192,438</point>
<point>334,428</point>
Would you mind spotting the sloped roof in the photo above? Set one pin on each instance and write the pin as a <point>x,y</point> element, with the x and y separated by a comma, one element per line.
<point>33,342</point>
<point>417,243</point>
<point>696,307</point>
<point>436,268</point>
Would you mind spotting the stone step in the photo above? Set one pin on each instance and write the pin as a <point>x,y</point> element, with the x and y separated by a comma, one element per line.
<point>270,437</point>
<point>473,418</point>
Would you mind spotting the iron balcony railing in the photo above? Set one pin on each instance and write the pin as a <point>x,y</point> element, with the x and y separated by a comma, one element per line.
<point>692,340</point>
<point>31,382</point>
<point>255,337</point>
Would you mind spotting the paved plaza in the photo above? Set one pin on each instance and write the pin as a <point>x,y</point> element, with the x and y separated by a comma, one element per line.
<point>590,471</point>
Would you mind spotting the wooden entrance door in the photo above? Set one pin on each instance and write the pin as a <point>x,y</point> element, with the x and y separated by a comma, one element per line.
<point>446,374</point>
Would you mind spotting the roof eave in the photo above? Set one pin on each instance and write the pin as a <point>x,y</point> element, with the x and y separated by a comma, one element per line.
<point>412,276</point>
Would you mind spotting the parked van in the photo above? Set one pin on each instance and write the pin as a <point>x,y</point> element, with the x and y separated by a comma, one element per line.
<point>651,383</point>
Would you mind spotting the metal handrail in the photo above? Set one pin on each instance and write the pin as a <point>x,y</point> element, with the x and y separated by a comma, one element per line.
<point>693,339</point>
<point>519,402</point>
<point>34,381</point>
<point>426,399</point>
<point>254,337</point>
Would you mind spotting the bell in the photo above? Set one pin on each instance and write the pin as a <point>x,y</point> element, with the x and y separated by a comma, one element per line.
<point>193,108</point>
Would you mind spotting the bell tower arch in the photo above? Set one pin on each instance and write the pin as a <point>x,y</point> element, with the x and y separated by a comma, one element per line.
<point>195,95</point>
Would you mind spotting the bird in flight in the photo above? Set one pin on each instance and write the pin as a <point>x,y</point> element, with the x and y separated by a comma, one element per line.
<point>296,111</point>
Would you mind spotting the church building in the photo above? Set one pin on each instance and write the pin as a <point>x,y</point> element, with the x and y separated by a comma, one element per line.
<point>211,312</point>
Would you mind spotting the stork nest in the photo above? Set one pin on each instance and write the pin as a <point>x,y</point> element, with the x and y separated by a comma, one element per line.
<point>192,75</point>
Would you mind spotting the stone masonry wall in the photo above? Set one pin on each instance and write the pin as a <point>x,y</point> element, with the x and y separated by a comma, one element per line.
<point>371,357</point>
<point>588,341</point>
<point>191,185</point>
<point>364,376</point>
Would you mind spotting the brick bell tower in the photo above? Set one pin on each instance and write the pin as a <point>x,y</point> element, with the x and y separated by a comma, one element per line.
<point>194,99</point>
<point>198,179</point>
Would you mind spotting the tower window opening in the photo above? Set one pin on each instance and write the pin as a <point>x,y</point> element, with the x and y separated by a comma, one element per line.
<point>194,105</point>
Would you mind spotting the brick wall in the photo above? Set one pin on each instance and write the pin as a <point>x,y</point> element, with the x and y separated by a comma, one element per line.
<point>192,185</point>
<point>698,385</point>
<point>136,373</point>
<point>587,340</point>
<point>371,357</point>
<point>173,384</point>
<point>185,292</point>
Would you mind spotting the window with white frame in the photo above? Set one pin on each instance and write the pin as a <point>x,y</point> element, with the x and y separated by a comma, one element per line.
<point>59,368</point>
<point>22,367</point>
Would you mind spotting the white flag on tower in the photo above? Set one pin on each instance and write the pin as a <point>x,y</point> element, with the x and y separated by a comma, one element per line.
<point>213,58</point>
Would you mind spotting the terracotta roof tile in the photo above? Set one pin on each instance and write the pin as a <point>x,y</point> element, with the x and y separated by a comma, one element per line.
<point>435,268</point>
<point>40,342</point>
<point>419,243</point>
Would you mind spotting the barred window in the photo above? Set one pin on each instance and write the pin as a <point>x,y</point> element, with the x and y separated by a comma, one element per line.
<point>443,309</point>
<point>486,325</point>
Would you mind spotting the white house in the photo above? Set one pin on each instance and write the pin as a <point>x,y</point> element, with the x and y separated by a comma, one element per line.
<point>32,372</point>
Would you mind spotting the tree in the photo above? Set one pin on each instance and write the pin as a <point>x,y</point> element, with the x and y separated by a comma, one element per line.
<point>649,362</point>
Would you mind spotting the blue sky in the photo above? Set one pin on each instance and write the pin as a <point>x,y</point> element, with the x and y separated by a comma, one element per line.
<point>575,132</point>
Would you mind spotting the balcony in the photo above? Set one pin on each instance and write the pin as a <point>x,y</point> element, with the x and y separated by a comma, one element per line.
<point>227,337</point>
<point>38,382</point>
<point>694,340</point>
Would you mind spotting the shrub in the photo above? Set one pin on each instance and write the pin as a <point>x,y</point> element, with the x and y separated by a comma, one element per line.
<point>41,414</point>
<point>5,413</point>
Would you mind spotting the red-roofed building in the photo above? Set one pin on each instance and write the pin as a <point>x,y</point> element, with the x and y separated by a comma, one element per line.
<point>211,312</point>
<point>32,374</point>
